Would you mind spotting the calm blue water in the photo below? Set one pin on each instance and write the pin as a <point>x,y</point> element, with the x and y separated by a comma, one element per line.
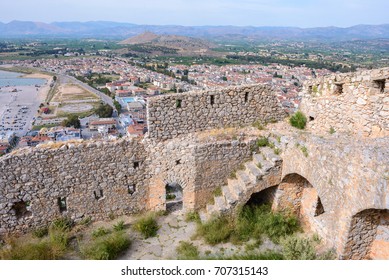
<point>15,79</point>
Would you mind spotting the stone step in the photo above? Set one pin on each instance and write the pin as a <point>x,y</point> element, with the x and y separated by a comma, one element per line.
<point>275,142</point>
<point>253,170</point>
<point>264,164</point>
<point>236,187</point>
<point>210,208</point>
<point>203,216</point>
<point>244,178</point>
<point>230,198</point>
<point>270,155</point>
<point>220,204</point>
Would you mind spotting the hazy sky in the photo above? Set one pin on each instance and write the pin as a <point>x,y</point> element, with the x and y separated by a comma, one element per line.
<point>302,13</point>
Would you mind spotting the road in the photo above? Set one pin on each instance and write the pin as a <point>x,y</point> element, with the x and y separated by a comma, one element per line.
<point>105,98</point>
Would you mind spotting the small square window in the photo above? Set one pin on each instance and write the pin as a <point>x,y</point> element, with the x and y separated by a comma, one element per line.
<point>136,164</point>
<point>246,97</point>
<point>98,195</point>
<point>178,162</point>
<point>62,204</point>
<point>212,99</point>
<point>131,189</point>
<point>380,84</point>
<point>338,89</point>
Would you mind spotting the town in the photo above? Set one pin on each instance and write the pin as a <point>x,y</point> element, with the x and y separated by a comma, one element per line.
<point>80,83</point>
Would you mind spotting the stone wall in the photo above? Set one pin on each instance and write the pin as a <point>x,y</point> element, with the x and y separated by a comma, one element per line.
<point>100,179</point>
<point>349,175</point>
<point>175,114</point>
<point>356,103</point>
<point>215,163</point>
<point>86,179</point>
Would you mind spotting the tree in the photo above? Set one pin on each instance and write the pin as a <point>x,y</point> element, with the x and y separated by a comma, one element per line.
<point>117,106</point>
<point>72,121</point>
<point>104,111</point>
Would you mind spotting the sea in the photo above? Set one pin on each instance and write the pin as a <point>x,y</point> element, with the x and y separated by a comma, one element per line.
<point>16,79</point>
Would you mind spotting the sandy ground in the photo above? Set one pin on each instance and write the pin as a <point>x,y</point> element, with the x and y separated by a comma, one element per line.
<point>29,96</point>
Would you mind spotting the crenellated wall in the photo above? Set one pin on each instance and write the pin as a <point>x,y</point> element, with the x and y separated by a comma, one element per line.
<point>353,103</point>
<point>176,114</point>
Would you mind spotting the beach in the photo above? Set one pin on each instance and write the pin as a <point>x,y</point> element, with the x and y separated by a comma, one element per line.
<point>14,97</point>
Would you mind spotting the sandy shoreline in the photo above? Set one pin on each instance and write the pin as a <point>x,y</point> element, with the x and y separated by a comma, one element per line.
<point>30,96</point>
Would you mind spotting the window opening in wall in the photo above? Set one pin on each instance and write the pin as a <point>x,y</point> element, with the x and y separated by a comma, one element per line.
<point>174,195</point>
<point>246,97</point>
<point>136,164</point>
<point>338,89</point>
<point>62,204</point>
<point>319,207</point>
<point>311,118</point>
<point>212,99</point>
<point>178,162</point>
<point>131,189</point>
<point>21,209</point>
<point>98,195</point>
<point>380,84</point>
<point>178,103</point>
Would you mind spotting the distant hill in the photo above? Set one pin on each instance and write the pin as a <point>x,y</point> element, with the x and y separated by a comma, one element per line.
<point>117,30</point>
<point>181,43</point>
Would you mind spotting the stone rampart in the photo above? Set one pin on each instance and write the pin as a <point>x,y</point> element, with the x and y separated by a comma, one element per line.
<point>354,103</point>
<point>176,114</point>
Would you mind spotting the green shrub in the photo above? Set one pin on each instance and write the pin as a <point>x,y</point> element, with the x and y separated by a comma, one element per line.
<point>192,217</point>
<point>86,221</point>
<point>187,251</point>
<point>262,142</point>
<point>41,250</point>
<point>216,230</point>
<point>107,247</point>
<point>217,191</point>
<point>298,120</point>
<point>304,150</point>
<point>296,248</point>
<point>147,226</point>
<point>119,226</point>
<point>258,125</point>
<point>62,223</point>
<point>101,231</point>
<point>332,130</point>
<point>41,232</point>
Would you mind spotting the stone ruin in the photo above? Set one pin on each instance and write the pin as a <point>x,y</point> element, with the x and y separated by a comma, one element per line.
<point>334,175</point>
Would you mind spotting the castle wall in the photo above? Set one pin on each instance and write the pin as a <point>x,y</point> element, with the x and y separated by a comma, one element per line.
<point>349,176</point>
<point>175,114</point>
<point>355,103</point>
<point>92,179</point>
<point>215,163</point>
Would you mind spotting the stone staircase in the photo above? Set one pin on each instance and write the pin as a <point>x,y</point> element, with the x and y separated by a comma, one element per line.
<point>241,187</point>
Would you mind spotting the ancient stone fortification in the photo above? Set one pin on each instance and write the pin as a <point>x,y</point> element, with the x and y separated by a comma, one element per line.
<point>337,183</point>
<point>352,103</point>
<point>176,114</point>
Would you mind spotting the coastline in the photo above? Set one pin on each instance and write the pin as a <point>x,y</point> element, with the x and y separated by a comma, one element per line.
<point>26,95</point>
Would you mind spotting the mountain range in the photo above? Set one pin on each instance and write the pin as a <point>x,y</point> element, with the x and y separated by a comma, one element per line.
<point>117,30</point>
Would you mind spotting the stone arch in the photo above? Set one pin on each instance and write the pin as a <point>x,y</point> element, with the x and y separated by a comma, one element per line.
<point>368,236</point>
<point>295,193</point>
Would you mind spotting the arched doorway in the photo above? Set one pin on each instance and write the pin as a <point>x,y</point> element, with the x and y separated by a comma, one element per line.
<point>174,196</point>
<point>368,237</point>
<point>265,196</point>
